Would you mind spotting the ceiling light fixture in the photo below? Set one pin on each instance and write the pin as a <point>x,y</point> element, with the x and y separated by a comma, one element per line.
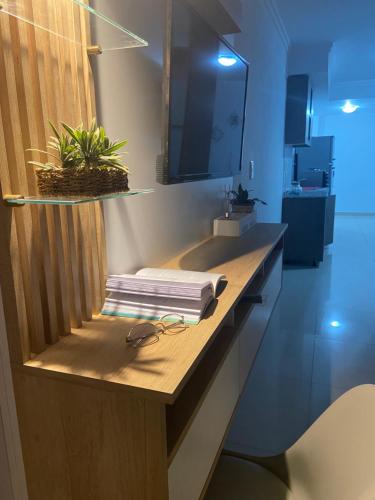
<point>349,107</point>
<point>335,324</point>
<point>227,60</point>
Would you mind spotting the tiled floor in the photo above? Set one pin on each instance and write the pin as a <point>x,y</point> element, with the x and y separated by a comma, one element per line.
<point>320,342</point>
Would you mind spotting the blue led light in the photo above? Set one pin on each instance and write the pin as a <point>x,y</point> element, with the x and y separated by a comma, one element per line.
<point>349,107</point>
<point>227,61</point>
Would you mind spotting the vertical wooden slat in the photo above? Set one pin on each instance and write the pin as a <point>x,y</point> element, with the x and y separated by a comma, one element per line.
<point>83,263</point>
<point>96,282</point>
<point>63,311</point>
<point>100,241</point>
<point>53,330</point>
<point>81,212</point>
<point>97,253</point>
<point>88,270</point>
<point>88,80</point>
<point>70,249</point>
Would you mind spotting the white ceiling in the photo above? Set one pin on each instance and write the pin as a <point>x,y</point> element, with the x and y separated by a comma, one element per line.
<point>333,41</point>
<point>316,21</point>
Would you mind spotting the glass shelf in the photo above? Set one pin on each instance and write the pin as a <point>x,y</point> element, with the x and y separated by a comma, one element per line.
<point>111,36</point>
<point>73,200</point>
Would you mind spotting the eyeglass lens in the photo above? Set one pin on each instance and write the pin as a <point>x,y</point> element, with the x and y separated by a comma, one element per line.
<point>173,324</point>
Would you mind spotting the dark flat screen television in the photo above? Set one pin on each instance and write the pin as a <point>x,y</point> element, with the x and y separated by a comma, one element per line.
<point>205,99</point>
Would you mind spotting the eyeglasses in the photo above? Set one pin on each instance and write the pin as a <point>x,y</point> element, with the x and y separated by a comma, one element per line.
<point>145,334</point>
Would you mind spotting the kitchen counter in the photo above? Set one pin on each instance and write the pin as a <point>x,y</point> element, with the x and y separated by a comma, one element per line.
<point>309,193</point>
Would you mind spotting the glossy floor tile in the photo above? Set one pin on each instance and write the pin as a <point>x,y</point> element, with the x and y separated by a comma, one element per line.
<point>287,356</point>
<point>320,342</point>
<point>272,410</point>
<point>345,364</point>
<point>346,322</point>
<point>321,397</point>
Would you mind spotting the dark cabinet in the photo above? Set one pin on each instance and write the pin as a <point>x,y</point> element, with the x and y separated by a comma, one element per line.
<point>299,111</point>
<point>329,226</point>
<point>310,228</point>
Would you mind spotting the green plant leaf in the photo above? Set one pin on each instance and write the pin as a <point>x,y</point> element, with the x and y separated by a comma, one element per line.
<point>44,166</point>
<point>115,147</point>
<point>89,147</point>
<point>34,150</point>
<point>72,132</point>
<point>54,129</point>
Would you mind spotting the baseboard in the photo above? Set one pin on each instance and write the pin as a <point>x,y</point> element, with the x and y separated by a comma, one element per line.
<point>362,214</point>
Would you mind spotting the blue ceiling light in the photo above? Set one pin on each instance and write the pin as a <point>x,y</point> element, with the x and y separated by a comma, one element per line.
<point>227,61</point>
<point>349,107</point>
<point>335,324</point>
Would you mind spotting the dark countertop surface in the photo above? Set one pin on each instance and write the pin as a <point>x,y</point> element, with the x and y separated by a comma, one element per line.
<point>309,193</point>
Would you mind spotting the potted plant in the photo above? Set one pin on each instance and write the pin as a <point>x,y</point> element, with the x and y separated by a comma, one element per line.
<point>83,163</point>
<point>242,203</point>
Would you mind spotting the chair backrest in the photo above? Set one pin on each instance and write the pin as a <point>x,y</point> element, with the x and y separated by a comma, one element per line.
<point>335,458</point>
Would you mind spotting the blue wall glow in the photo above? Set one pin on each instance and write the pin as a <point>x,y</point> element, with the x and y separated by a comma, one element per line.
<point>227,60</point>
<point>354,153</point>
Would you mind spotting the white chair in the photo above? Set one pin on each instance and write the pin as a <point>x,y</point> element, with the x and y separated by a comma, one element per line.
<point>333,460</point>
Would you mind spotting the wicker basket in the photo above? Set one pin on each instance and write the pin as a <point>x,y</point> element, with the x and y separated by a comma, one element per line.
<point>81,181</point>
<point>242,209</point>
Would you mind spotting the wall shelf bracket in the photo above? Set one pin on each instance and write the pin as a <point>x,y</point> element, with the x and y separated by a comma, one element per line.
<point>94,50</point>
<point>10,199</point>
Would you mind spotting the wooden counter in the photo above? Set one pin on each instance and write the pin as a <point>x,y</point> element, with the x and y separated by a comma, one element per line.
<point>98,353</point>
<point>102,420</point>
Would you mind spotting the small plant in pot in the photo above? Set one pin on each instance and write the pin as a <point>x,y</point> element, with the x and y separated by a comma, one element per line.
<point>83,163</point>
<point>241,202</point>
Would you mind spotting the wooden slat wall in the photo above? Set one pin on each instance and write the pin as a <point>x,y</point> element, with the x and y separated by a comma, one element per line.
<point>52,259</point>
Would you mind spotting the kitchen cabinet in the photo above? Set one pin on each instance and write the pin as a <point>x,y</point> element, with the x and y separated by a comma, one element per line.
<point>310,222</point>
<point>299,111</point>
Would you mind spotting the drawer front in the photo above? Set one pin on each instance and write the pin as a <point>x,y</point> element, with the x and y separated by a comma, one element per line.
<point>193,462</point>
<point>253,329</point>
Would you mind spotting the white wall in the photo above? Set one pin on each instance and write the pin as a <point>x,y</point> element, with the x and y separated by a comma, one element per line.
<point>147,230</point>
<point>355,159</point>
<point>263,44</point>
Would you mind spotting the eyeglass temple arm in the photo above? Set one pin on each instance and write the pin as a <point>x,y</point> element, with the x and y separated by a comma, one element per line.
<point>172,325</point>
